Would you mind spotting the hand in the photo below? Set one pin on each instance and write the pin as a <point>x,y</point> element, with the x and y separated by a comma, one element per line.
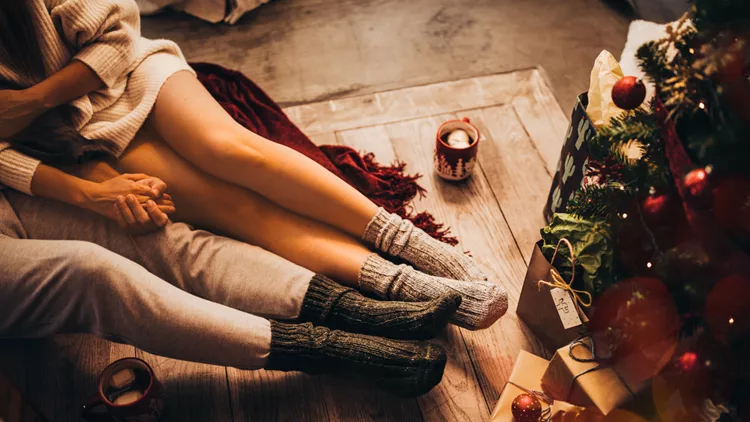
<point>131,215</point>
<point>101,197</point>
<point>18,108</point>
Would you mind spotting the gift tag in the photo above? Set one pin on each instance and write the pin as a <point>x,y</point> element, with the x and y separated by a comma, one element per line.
<point>565,308</point>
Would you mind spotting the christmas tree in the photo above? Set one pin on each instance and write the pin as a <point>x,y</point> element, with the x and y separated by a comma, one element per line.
<point>669,183</point>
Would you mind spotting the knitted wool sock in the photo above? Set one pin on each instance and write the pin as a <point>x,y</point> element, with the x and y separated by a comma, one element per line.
<point>405,368</point>
<point>398,237</point>
<point>482,302</point>
<point>333,305</point>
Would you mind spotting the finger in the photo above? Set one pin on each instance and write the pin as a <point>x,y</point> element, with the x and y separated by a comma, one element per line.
<point>158,187</point>
<point>165,203</point>
<point>143,191</point>
<point>157,216</point>
<point>125,211</point>
<point>135,176</point>
<point>167,210</point>
<point>118,216</point>
<point>137,209</point>
<point>167,196</point>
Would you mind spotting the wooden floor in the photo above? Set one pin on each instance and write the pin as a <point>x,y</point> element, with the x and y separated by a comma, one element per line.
<point>496,214</point>
<point>302,51</point>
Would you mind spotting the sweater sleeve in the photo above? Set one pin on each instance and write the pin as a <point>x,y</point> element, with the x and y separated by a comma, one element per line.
<point>16,169</point>
<point>104,33</point>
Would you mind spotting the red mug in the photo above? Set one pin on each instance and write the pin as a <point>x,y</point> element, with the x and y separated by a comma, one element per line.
<point>452,162</point>
<point>146,394</point>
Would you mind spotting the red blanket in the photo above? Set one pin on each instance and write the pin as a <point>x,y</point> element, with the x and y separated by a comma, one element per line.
<point>387,186</point>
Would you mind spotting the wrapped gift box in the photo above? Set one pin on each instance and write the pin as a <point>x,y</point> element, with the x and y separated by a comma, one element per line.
<point>527,373</point>
<point>588,384</point>
<point>538,309</point>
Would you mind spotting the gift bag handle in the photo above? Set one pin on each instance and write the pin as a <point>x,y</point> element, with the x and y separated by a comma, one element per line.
<point>581,297</point>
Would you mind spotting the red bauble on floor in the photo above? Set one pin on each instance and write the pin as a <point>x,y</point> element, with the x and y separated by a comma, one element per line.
<point>526,408</point>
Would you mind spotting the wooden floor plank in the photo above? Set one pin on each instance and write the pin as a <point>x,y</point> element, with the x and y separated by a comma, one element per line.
<point>326,138</point>
<point>473,214</point>
<point>357,402</point>
<point>515,173</point>
<point>371,139</point>
<point>409,103</point>
<point>277,396</point>
<point>542,118</point>
<point>13,361</point>
<point>13,406</point>
<point>63,372</point>
<point>192,391</point>
<point>458,397</point>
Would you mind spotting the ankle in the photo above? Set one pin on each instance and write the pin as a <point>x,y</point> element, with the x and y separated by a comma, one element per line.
<point>295,345</point>
<point>378,276</point>
<point>321,298</point>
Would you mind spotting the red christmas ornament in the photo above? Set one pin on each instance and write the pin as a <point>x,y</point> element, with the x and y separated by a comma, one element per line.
<point>665,217</point>
<point>656,223</point>
<point>637,320</point>
<point>634,247</point>
<point>697,187</point>
<point>526,408</point>
<point>701,368</point>
<point>628,93</point>
<point>732,204</point>
<point>659,208</point>
<point>728,308</point>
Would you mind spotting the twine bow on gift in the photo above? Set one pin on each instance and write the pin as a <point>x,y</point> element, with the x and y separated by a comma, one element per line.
<point>559,282</point>
<point>600,362</point>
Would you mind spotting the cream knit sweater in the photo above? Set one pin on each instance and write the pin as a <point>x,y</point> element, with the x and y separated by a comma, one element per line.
<point>105,35</point>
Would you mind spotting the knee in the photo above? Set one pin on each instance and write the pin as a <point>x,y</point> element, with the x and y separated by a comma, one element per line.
<point>91,266</point>
<point>231,147</point>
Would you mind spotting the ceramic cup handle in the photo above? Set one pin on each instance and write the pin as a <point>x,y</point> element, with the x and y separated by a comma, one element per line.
<point>90,413</point>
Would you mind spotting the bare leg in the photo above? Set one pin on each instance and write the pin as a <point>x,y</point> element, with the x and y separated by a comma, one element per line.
<point>211,203</point>
<point>198,129</point>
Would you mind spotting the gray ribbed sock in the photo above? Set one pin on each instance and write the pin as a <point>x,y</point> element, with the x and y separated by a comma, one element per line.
<point>399,237</point>
<point>405,368</point>
<point>482,302</point>
<point>333,305</point>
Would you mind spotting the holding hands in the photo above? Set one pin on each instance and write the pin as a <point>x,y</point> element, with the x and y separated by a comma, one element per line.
<point>137,202</point>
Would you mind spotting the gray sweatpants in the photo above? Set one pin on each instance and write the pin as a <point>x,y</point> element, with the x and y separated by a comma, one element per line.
<point>181,293</point>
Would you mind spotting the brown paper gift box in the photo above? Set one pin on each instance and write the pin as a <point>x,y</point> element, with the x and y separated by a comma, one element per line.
<point>537,309</point>
<point>527,372</point>
<point>602,388</point>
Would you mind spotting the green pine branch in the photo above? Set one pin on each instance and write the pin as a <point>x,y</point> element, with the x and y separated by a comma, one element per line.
<point>599,202</point>
<point>714,16</point>
<point>637,125</point>
<point>652,59</point>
